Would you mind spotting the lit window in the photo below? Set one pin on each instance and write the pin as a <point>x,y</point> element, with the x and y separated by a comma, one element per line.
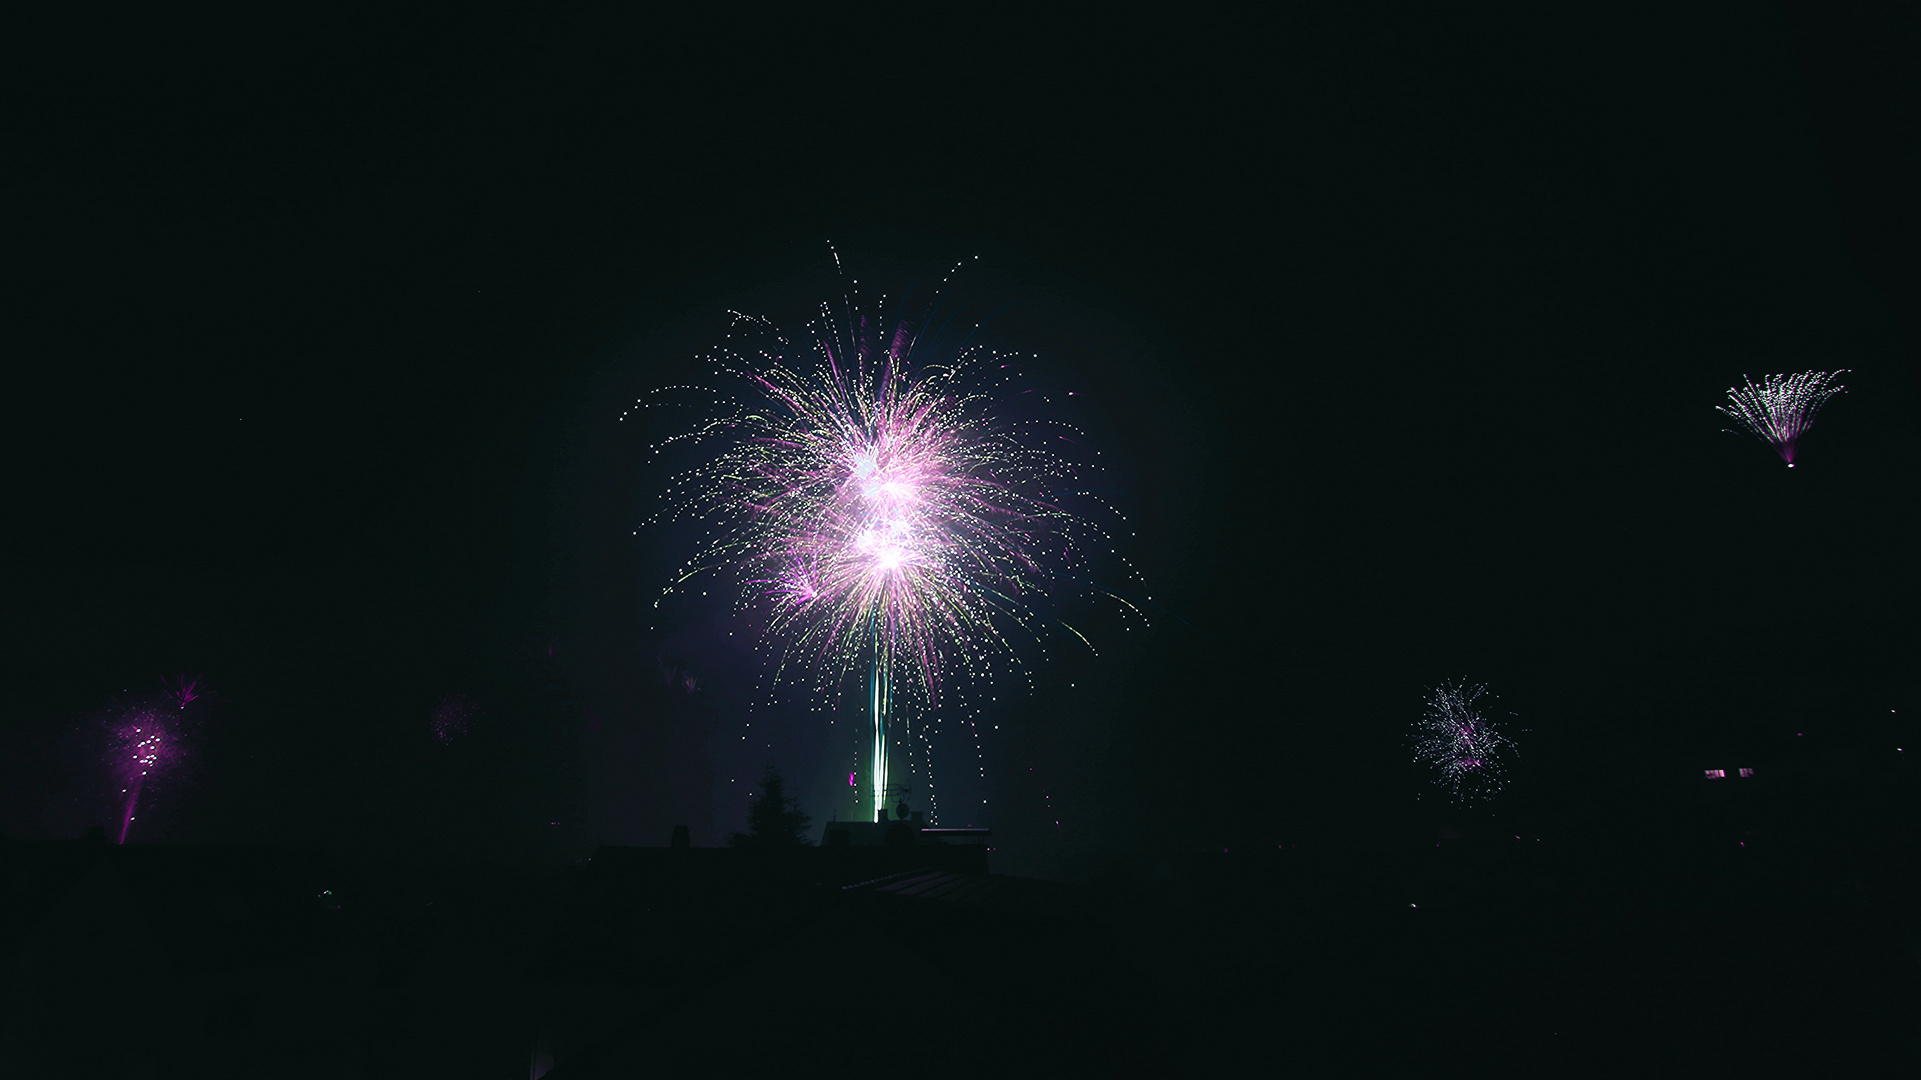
<point>1747,772</point>
<point>1717,774</point>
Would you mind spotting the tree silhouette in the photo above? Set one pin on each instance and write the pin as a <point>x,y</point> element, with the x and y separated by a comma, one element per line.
<point>775,819</point>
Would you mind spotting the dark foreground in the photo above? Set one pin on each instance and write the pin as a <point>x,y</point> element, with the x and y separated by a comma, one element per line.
<point>1479,955</point>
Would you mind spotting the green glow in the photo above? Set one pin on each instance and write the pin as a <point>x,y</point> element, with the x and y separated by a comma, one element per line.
<point>880,693</point>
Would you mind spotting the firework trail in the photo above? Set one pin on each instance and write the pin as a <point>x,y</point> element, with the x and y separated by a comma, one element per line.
<point>874,503</point>
<point>1464,747</point>
<point>1780,409</point>
<point>146,739</point>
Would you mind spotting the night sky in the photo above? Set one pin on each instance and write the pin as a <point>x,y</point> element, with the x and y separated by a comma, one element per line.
<point>1403,334</point>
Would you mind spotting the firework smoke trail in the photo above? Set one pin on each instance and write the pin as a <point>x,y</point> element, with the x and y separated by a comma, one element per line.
<point>868,496</point>
<point>1463,746</point>
<point>1781,408</point>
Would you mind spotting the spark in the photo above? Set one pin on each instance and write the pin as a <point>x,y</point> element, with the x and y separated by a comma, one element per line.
<point>1780,408</point>
<point>1464,747</point>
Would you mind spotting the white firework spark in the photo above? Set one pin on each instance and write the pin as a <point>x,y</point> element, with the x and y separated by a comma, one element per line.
<point>1464,747</point>
<point>1780,408</point>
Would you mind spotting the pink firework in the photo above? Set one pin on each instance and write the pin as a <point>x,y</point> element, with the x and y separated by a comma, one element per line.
<point>184,691</point>
<point>146,742</point>
<point>453,716</point>
<point>874,496</point>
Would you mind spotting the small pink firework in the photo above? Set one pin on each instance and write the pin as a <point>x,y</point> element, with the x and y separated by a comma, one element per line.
<point>453,717</point>
<point>146,742</point>
<point>184,691</point>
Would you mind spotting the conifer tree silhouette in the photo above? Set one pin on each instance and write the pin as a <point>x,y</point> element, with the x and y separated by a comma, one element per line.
<point>775,818</point>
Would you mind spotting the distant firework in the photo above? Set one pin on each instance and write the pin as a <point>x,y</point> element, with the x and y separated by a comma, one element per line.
<point>452,717</point>
<point>184,691</point>
<point>1464,747</point>
<point>869,495</point>
<point>146,740</point>
<point>1780,409</point>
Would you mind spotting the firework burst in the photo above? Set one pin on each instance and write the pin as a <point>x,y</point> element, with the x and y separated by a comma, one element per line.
<point>1464,747</point>
<point>871,499</point>
<point>1780,408</point>
<point>146,740</point>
